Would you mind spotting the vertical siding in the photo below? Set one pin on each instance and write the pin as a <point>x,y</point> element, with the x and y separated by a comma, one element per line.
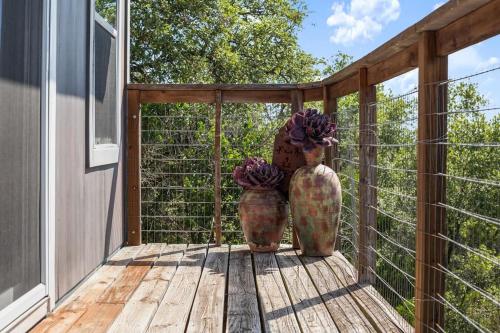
<point>89,201</point>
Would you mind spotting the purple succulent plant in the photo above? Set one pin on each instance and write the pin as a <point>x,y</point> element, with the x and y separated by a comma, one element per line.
<point>256,173</point>
<point>309,129</point>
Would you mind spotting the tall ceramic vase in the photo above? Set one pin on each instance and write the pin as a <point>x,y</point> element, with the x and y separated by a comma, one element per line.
<point>315,201</point>
<point>263,215</point>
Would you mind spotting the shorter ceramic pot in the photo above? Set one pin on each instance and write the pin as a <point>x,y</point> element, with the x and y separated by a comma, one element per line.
<point>264,216</point>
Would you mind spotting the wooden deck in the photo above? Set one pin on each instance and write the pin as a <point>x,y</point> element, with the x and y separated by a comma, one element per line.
<point>200,288</point>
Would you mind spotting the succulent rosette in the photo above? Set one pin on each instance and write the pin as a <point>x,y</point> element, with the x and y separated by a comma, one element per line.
<point>256,173</point>
<point>309,129</point>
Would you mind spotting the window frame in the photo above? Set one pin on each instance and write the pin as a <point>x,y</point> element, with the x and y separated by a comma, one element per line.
<point>103,154</point>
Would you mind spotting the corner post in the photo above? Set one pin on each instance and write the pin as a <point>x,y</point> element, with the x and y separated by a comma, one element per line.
<point>134,168</point>
<point>367,179</point>
<point>297,100</point>
<point>217,166</point>
<point>431,188</point>
<point>330,109</point>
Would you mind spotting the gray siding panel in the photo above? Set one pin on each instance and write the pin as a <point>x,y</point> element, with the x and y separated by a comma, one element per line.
<point>89,202</point>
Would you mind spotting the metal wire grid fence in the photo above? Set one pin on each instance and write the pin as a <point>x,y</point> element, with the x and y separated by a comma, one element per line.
<point>472,142</point>
<point>347,164</point>
<point>177,167</point>
<point>396,136</point>
<point>247,130</point>
<point>177,185</point>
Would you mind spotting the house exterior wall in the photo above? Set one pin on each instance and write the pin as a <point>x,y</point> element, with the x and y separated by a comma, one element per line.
<point>89,208</point>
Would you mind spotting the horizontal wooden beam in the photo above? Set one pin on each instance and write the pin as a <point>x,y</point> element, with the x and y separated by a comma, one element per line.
<point>344,87</point>
<point>473,28</point>
<point>256,96</point>
<point>177,96</point>
<point>393,66</point>
<point>313,95</point>
<point>222,87</point>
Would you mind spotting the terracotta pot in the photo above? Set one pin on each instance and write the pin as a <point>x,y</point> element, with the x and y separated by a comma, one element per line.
<point>315,201</point>
<point>263,216</point>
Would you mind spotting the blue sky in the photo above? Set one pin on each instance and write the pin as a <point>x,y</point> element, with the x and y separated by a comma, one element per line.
<point>356,27</point>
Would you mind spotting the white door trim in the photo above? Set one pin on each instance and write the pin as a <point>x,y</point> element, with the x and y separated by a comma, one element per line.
<point>49,148</point>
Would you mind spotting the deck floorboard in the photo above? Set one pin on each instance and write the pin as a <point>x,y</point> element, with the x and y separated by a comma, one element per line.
<point>201,288</point>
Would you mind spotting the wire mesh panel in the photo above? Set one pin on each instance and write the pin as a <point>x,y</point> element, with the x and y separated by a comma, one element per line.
<point>348,172</point>
<point>396,199</point>
<point>472,208</point>
<point>177,173</point>
<point>247,130</point>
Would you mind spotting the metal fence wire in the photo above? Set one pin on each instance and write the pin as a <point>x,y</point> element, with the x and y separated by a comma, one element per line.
<point>471,140</point>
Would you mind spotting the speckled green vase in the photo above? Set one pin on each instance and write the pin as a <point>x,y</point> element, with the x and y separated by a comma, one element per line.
<point>315,201</point>
<point>263,216</point>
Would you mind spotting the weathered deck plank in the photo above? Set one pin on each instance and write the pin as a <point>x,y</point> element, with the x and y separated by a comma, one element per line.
<point>175,288</point>
<point>371,309</point>
<point>345,312</point>
<point>276,307</point>
<point>144,302</point>
<point>207,314</point>
<point>77,304</point>
<point>376,298</point>
<point>97,319</point>
<point>121,289</point>
<point>311,312</point>
<point>173,313</point>
<point>242,306</point>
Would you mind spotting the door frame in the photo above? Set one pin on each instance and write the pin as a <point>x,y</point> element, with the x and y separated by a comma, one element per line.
<point>24,308</point>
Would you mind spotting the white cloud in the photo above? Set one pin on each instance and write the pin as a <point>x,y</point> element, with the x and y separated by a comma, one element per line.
<point>362,19</point>
<point>470,59</point>
<point>437,5</point>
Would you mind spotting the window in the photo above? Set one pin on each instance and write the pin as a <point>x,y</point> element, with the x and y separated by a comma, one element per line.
<point>104,116</point>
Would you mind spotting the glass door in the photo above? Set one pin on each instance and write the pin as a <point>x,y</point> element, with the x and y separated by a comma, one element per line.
<point>21,255</point>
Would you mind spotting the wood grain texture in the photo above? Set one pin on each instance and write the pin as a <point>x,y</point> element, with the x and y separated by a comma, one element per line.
<point>379,300</point>
<point>173,311</point>
<point>470,29</point>
<point>397,64</point>
<point>207,314</point>
<point>121,289</point>
<point>372,310</point>
<point>242,306</point>
<point>217,167</point>
<point>367,179</point>
<point>311,312</point>
<point>87,294</point>
<point>134,168</point>
<point>276,308</point>
<point>141,307</point>
<point>431,188</point>
<point>345,311</point>
<point>97,319</point>
<point>185,291</point>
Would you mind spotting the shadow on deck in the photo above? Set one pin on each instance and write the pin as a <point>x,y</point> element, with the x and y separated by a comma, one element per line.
<point>173,288</point>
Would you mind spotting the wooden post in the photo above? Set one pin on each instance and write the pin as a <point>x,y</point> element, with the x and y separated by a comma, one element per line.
<point>217,165</point>
<point>431,188</point>
<point>367,179</point>
<point>134,168</point>
<point>297,98</point>
<point>330,109</point>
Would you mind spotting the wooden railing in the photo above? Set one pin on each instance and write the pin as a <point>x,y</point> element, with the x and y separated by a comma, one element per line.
<point>426,46</point>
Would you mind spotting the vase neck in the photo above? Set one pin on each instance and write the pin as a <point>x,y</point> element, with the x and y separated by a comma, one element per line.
<point>314,157</point>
